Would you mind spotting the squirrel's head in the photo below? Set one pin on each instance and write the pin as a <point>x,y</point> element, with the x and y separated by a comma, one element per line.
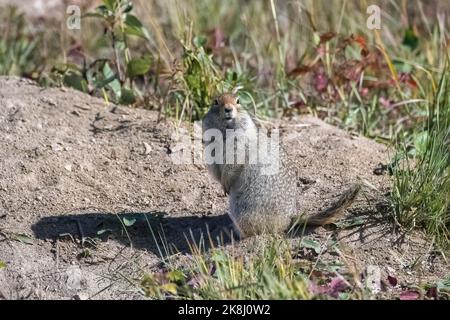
<point>229,107</point>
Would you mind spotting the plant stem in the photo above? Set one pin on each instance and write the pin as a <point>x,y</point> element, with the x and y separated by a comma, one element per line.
<point>277,31</point>
<point>116,55</point>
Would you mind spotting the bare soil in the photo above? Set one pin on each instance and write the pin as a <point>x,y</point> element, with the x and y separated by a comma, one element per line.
<point>72,168</point>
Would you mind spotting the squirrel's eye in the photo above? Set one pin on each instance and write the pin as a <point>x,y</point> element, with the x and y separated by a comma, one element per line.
<point>216,102</point>
<point>237,100</point>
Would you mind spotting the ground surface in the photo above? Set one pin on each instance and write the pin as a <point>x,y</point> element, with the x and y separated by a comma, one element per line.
<point>70,164</point>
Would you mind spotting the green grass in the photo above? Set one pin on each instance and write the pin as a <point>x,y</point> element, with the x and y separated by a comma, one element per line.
<point>270,268</point>
<point>421,191</point>
<point>18,52</point>
<point>287,57</point>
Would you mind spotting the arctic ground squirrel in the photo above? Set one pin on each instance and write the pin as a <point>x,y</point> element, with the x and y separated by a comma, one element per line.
<point>259,202</point>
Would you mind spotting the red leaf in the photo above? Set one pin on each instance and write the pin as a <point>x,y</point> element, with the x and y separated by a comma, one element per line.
<point>212,270</point>
<point>392,281</point>
<point>315,289</point>
<point>325,37</point>
<point>364,92</point>
<point>409,295</point>
<point>352,69</point>
<point>406,78</point>
<point>299,71</point>
<point>360,40</point>
<point>432,292</point>
<point>217,39</point>
<point>385,102</point>
<point>297,103</point>
<point>320,82</point>
<point>412,83</point>
<point>321,51</point>
<point>337,285</point>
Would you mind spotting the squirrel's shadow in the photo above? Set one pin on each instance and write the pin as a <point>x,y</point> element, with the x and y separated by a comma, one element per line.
<point>153,231</point>
<point>166,235</point>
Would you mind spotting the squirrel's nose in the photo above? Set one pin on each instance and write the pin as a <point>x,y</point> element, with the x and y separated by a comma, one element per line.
<point>228,109</point>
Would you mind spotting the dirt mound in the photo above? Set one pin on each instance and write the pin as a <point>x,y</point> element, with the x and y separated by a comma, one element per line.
<point>74,171</point>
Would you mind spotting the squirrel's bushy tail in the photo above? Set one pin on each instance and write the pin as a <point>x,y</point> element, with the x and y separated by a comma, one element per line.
<point>336,210</point>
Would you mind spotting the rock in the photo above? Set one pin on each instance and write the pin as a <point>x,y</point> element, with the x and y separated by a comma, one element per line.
<point>373,278</point>
<point>56,147</point>
<point>82,106</point>
<point>48,101</point>
<point>80,296</point>
<point>147,148</point>
<point>119,110</point>
<point>74,278</point>
<point>2,213</point>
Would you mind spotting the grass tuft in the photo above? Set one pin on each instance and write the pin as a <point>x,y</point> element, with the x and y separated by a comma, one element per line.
<point>421,191</point>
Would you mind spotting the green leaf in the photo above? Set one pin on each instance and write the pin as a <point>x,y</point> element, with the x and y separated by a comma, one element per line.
<point>92,15</point>
<point>127,97</point>
<point>410,39</point>
<point>75,81</point>
<point>344,296</point>
<point>316,38</point>
<point>62,68</point>
<point>133,21</point>
<point>128,222</point>
<point>169,287</point>
<point>103,11</point>
<point>175,276</point>
<point>138,67</point>
<point>402,66</point>
<point>128,7</point>
<point>349,223</point>
<point>102,231</point>
<point>120,45</point>
<point>421,142</point>
<point>23,238</point>
<point>103,83</point>
<point>111,4</point>
<point>310,244</point>
<point>134,27</point>
<point>2,264</point>
<point>444,285</point>
<point>199,41</point>
<point>107,71</point>
<point>113,82</point>
<point>245,97</point>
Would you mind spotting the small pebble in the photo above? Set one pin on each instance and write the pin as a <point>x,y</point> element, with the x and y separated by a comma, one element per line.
<point>147,148</point>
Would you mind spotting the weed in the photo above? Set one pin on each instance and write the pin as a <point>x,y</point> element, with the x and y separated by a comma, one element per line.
<point>421,191</point>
